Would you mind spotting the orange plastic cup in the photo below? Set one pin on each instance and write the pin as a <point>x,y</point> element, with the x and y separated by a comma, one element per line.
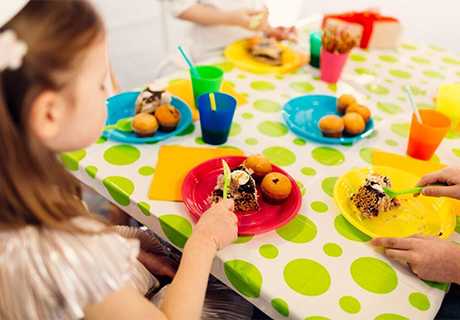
<point>425,137</point>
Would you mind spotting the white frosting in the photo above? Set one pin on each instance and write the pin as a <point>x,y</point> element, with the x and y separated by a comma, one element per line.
<point>240,176</point>
<point>377,187</point>
<point>154,87</point>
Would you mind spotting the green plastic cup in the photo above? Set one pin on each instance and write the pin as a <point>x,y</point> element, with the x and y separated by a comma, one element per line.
<point>210,81</point>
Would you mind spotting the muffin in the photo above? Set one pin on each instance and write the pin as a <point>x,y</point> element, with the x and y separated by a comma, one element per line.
<point>343,102</point>
<point>259,164</point>
<point>362,110</point>
<point>276,188</point>
<point>331,126</point>
<point>168,118</point>
<point>354,124</point>
<point>144,125</point>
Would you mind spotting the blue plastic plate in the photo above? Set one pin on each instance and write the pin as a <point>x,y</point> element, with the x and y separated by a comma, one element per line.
<point>302,115</point>
<point>123,106</point>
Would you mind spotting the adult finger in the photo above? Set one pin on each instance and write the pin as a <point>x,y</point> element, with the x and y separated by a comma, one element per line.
<point>227,204</point>
<point>394,243</point>
<point>395,254</point>
<point>438,176</point>
<point>441,191</point>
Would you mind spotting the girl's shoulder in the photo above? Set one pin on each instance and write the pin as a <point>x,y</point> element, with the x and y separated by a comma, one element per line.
<point>56,273</point>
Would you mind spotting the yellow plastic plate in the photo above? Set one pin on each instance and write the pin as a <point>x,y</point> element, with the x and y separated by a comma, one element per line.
<point>237,53</point>
<point>421,215</point>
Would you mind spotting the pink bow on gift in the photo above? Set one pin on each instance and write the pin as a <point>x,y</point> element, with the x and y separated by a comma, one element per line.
<point>12,51</point>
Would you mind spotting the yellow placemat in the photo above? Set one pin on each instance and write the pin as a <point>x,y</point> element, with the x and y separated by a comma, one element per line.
<point>411,165</point>
<point>183,90</point>
<point>174,162</point>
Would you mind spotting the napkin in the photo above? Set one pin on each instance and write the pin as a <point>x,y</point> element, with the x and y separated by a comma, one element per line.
<point>183,90</point>
<point>411,165</point>
<point>174,162</point>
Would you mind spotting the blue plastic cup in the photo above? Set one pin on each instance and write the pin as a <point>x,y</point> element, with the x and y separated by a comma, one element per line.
<point>215,125</point>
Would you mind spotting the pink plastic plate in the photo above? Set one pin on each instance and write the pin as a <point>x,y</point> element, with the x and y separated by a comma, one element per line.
<point>201,180</point>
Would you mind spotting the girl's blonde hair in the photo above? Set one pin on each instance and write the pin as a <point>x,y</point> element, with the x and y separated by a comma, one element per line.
<point>34,187</point>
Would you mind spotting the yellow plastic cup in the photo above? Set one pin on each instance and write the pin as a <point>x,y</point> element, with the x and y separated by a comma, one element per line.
<point>448,103</point>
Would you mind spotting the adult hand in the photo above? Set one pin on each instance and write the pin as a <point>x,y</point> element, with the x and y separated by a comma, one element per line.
<point>449,176</point>
<point>429,257</point>
<point>283,33</point>
<point>245,17</point>
<point>218,224</point>
<point>158,265</point>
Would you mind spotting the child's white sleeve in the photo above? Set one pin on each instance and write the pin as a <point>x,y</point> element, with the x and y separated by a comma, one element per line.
<point>177,7</point>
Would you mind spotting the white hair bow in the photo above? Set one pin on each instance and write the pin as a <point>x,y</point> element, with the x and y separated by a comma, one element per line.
<point>12,51</point>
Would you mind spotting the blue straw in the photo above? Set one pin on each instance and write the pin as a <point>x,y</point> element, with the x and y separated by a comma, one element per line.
<point>194,71</point>
<point>414,106</point>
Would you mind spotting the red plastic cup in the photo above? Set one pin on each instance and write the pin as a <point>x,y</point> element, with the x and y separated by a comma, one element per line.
<point>425,137</point>
<point>331,65</point>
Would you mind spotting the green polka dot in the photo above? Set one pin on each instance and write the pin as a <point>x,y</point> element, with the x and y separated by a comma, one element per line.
<point>307,277</point>
<point>228,147</point>
<point>268,251</point>
<point>187,131</point>
<point>425,106</point>
<point>377,89</point>
<point>308,171</point>
<point>235,129</point>
<point>146,171</point>
<point>152,142</point>
<point>267,106</point>
<point>298,230</point>
<point>350,304</point>
<point>319,206</point>
<point>280,156</point>
<point>91,171</point>
<point>437,285</point>
<point>285,95</point>
<point>420,60</point>
<point>419,301</point>
<point>119,188</point>
<point>328,185</point>
<point>382,279</point>
<point>365,71</point>
<point>416,91</point>
<point>457,226</point>
<point>200,141</point>
<point>245,95</point>
<point>226,66</point>
<point>408,46</point>
<point>273,128</point>
<point>301,187</point>
<point>176,228</point>
<point>145,208</point>
<point>347,230</point>
<point>72,159</point>
<point>299,142</point>
<point>401,129</point>
<point>366,154</point>
<point>332,87</point>
<point>377,65</point>
<point>435,159</point>
<point>251,141</point>
<point>453,135</point>
<point>328,156</point>
<point>101,140</point>
<point>281,306</point>
<point>241,76</point>
<point>423,82</point>
<point>389,108</point>
<point>372,135</point>
<point>403,99</point>
<point>357,58</point>
<point>245,277</point>
<point>176,80</point>
<point>317,318</point>
<point>390,316</point>
<point>451,61</point>
<point>434,74</point>
<point>377,118</point>
<point>262,86</point>
<point>302,87</point>
<point>389,80</point>
<point>456,152</point>
<point>243,238</point>
<point>400,74</point>
<point>388,59</point>
<point>332,250</point>
<point>391,143</point>
<point>437,48</point>
<point>279,77</point>
<point>247,116</point>
<point>122,155</point>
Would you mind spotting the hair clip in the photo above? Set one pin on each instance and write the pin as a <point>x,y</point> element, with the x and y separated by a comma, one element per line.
<point>12,51</point>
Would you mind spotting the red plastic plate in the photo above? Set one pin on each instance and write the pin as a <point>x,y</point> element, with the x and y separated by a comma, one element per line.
<point>201,180</point>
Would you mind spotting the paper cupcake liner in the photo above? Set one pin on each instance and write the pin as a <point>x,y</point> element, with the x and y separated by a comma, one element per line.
<point>270,198</point>
<point>341,108</point>
<point>332,133</point>
<point>165,127</point>
<point>145,134</point>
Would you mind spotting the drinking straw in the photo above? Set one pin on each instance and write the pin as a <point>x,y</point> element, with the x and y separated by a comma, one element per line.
<point>194,71</point>
<point>414,106</point>
<point>213,101</point>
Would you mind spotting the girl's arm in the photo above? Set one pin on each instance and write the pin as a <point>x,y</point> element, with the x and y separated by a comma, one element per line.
<point>185,297</point>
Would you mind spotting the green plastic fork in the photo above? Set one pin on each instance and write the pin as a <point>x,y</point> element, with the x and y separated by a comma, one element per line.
<point>394,193</point>
<point>227,176</point>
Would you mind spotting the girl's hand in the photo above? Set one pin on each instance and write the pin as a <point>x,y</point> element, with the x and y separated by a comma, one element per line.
<point>283,33</point>
<point>218,225</point>
<point>449,176</point>
<point>429,257</point>
<point>158,265</point>
<point>244,18</point>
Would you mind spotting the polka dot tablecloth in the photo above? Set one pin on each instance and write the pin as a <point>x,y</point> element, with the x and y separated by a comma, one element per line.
<point>318,266</point>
